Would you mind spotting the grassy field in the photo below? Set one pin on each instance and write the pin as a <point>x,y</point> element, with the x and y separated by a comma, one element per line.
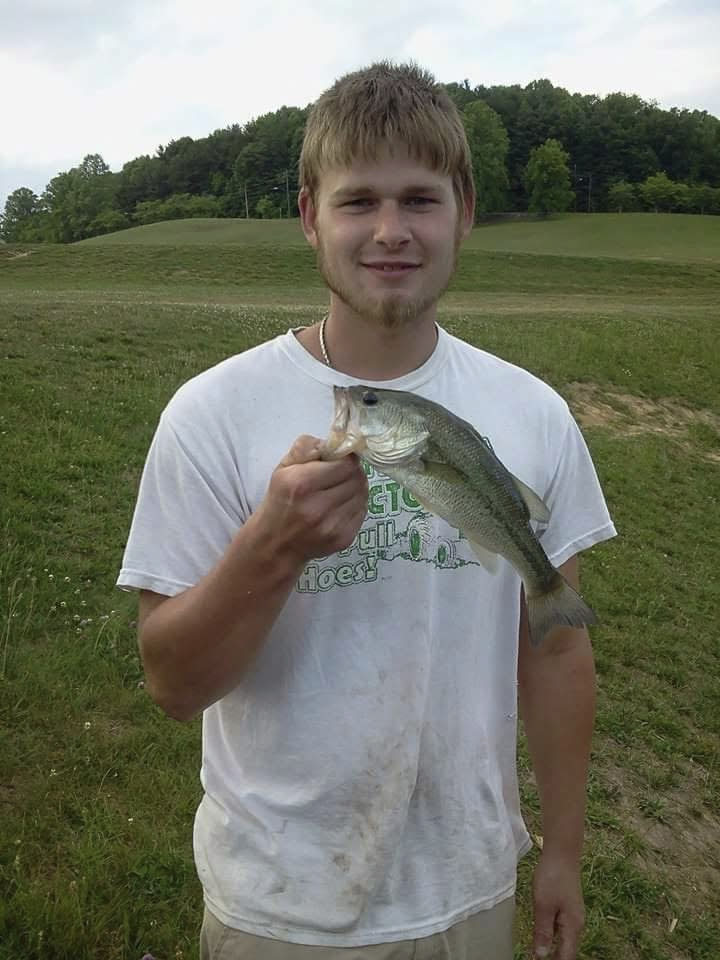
<point>630,235</point>
<point>98,789</point>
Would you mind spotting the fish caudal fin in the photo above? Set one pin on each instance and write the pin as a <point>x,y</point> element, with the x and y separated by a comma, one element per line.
<point>560,606</point>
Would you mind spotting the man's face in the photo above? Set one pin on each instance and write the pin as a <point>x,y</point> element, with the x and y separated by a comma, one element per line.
<point>387,235</point>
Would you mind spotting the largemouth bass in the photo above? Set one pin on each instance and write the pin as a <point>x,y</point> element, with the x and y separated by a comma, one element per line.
<point>451,471</point>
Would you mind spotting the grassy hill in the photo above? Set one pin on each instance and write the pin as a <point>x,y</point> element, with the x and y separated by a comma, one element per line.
<point>644,236</point>
<point>201,231</point>
<point>226,272</point>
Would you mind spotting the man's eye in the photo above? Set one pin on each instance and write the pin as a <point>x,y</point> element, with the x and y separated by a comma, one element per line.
<point>419,201</point>
<point>359,202</point>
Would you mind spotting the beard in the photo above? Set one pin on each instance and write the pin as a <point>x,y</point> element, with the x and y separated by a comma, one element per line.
<point>392,310</point>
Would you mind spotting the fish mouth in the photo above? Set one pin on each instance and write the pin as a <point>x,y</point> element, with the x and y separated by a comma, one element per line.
<point>342,440</point>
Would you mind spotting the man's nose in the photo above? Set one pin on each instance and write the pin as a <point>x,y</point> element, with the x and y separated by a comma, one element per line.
<point>391,227</point>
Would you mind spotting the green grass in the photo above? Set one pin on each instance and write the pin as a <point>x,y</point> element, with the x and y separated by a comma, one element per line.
<point>98,789</point>
<point>236,272</point>
<point>202,231</point>
<point>630,235</point>
<point>638,236</point>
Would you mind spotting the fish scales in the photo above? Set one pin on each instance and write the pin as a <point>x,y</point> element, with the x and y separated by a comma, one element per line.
<point>488,506</point>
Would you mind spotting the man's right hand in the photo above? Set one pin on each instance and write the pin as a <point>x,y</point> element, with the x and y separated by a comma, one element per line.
<point>313,507</point>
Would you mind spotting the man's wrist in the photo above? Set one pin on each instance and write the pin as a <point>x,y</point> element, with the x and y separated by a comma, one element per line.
<point>275,554</point>
<point>562,850</point>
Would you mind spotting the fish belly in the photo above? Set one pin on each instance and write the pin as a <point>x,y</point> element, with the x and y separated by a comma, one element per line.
<point>481,518</point>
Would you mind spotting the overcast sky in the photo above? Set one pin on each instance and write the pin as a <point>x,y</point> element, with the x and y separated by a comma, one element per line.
<point>121,77</point>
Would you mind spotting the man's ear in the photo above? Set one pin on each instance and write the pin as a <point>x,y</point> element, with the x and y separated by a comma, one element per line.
<point>308,216</point>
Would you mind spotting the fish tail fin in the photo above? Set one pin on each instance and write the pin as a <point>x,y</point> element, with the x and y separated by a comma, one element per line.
<point>558,606</point>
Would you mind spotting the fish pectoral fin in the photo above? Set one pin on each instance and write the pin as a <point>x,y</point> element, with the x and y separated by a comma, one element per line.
<point>442,471</point>
<point>537,508</point>
<point>487,559</point>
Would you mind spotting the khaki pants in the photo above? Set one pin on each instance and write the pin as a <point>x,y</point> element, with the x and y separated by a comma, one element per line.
<point>488,935</point>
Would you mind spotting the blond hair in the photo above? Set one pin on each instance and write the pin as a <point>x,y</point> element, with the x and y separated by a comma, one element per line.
<point>385,104</point>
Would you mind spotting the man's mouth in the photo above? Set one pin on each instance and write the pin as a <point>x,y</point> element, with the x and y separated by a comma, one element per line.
<point>382,267</point>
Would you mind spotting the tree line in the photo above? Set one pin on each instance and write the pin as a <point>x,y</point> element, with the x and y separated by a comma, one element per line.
<point>536,148</point>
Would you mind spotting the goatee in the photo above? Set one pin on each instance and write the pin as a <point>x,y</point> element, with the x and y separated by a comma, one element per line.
<point>391,312</point>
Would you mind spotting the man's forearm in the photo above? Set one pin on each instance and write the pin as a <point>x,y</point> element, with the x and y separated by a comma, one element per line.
<point>197,645</point>
<point>557,705</point>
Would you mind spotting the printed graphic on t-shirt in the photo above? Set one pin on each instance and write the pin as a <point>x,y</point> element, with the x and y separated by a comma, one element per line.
<point>396,529</point>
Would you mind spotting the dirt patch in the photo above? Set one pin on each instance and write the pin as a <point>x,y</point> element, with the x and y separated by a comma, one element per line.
<point>14,254</point>
<point>682,841</point>
<point>628,415</point>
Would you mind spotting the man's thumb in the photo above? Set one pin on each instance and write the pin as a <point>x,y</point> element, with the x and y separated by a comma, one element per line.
<point>303,450</point>
<point>543,935</point>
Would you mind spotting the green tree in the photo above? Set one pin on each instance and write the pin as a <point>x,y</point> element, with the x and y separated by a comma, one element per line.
<point>218,184</point>
<point>108,221</point>
<point>187,165</point>
<point>20,208</point>
<point>703,198</point>
<point>143,178</point>
<point>613,142</point>
<point>682,199</point>
<point>547,179</point>
<point>267,209</point>
<point>179,206</point>
<point>489,146</point>
<point>93,165</point>
<point>659,192</point>
<point>621,196</point>
<point>461,94</point>
<point>510,104</point>
<point>77,197</point>
<point>270,156</point>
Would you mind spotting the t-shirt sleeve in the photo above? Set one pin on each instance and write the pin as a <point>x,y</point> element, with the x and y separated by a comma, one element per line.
<point>579,516</point>
<point>187,512</point>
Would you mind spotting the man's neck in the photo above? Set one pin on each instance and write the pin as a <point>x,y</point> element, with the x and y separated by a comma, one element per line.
<point>366,350</point>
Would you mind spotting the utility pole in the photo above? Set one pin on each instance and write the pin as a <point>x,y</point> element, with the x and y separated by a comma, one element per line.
<point>247,209</point>
<point>287,191</point>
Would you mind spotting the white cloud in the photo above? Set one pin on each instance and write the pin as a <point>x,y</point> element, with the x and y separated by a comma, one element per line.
<point>84,76</point>
<point>58,31</point>
<point>670,58</point>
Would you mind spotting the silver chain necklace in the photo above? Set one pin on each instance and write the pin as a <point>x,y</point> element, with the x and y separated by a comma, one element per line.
<point>323,348</point>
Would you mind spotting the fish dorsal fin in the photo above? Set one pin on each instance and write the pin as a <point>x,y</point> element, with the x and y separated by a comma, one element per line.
<point>537,508</point>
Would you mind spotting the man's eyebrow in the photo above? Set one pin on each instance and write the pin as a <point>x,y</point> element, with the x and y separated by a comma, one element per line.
<point>348,193</point>
<point>343,193</point>
<point>422,188</point>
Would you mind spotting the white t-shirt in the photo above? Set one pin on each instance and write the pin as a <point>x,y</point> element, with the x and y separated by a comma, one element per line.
<point>360,782</point>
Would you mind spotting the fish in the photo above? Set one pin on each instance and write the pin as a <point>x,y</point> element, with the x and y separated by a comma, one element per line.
<point>453,472</point>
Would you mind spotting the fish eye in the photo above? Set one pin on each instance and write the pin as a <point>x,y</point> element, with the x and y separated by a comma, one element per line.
<point>369,398</point>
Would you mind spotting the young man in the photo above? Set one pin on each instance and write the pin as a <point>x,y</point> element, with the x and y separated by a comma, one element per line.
<point>357,669</point>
